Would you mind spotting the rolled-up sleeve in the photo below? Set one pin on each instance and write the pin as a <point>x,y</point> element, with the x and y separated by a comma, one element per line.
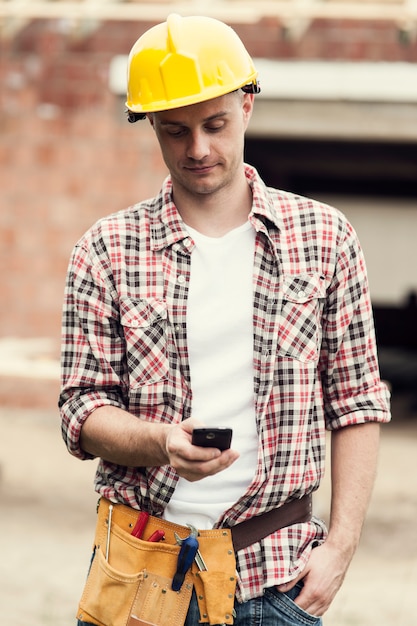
<point>93,365</point>
<point>353,391</point>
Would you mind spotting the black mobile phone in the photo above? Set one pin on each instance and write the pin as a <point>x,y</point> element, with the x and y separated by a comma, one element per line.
<point>220,438</point>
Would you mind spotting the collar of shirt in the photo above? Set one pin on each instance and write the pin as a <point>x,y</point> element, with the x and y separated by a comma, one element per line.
<point>167,227</point>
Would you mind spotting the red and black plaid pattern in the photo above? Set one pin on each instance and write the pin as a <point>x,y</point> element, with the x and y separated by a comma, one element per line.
<point>315,367</point>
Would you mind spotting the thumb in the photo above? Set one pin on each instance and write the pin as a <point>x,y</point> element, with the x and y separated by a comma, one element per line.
<point>189,424</point>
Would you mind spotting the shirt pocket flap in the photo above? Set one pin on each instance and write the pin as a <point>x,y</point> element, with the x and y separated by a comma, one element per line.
<point>144,325</point>
<point>142,313</point>
<point>303,287</point>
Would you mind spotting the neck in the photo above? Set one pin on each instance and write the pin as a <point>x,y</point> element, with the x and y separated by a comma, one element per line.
<point>215,214</point>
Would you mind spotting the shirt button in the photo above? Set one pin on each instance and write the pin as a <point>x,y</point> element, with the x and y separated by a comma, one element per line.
<point>134,323</point>
<point>301,293</point>
<point>164,491</point>
<point>265,355</point>
<point>181,279</point>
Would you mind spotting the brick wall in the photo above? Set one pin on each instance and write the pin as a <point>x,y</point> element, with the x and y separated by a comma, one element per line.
<point>67,155</point>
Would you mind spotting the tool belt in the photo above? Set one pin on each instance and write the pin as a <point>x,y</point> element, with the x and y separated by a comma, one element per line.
<point>130,579</point>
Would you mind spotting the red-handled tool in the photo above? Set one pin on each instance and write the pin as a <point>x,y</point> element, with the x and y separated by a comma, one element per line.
<point>140,524</point>
<point>156,536</point>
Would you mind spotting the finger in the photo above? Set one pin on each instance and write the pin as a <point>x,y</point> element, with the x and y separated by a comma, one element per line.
<point>198,469</point>
<point>221,461</point>
<point>314,604</point>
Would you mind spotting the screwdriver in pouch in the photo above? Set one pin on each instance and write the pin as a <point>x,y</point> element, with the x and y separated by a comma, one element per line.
<point>186,556</point>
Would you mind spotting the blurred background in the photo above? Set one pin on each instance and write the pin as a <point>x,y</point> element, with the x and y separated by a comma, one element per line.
<point>336,120</point>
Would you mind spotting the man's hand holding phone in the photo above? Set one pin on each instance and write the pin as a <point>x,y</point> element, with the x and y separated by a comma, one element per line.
<point>196,452</point>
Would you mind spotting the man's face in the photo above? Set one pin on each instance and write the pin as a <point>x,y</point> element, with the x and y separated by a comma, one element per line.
<point>202,144</point>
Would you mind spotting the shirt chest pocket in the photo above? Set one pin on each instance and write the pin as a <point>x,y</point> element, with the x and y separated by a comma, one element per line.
<point>145,325</point>
<point>299,334</point>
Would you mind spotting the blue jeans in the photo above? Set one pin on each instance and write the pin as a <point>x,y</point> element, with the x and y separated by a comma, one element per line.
<point>271,609</point>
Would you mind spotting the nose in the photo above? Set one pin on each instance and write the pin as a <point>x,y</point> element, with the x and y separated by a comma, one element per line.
<point>199,146</point>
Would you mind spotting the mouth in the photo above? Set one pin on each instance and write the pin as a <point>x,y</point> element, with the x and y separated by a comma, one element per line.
<point>200,170</point>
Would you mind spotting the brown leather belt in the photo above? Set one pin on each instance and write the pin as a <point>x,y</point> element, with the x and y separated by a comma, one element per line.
<point>243,534</point>
<point>256,528</point>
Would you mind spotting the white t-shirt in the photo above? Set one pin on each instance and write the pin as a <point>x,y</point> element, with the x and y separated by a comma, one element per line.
<point>220,345</point>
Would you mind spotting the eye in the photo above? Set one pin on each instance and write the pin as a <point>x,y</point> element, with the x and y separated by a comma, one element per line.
<point>176,131</point>
<point>215,128</point>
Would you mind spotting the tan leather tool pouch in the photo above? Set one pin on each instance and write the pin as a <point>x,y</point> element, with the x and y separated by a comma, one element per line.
<point>129,583</point>
<point>215,588</point>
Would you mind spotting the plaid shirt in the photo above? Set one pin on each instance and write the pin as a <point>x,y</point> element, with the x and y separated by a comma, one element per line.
<point>315,366</point>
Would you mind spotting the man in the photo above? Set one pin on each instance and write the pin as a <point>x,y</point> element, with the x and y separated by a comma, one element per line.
<point>222,302</point>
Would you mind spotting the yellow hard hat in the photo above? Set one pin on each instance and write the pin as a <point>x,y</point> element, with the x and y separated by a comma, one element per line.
<point>183,61</point>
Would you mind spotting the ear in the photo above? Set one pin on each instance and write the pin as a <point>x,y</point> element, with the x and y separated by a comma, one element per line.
<point>247,107</point>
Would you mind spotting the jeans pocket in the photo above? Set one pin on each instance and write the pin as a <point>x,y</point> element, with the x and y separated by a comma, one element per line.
<point>290,614</point>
